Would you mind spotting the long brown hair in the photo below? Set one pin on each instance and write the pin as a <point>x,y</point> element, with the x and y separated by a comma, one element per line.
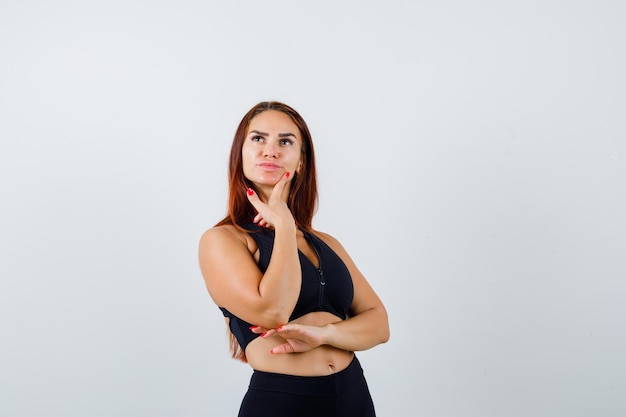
<point>302,200</point>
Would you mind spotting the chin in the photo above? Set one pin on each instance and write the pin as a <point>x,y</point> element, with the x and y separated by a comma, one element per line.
<point>265,180</point>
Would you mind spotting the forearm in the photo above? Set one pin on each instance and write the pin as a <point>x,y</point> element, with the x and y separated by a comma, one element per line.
<point>361,332</point>
<point>280,286</point>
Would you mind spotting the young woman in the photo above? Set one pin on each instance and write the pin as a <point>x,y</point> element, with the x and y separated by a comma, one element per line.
<point>296,304</point>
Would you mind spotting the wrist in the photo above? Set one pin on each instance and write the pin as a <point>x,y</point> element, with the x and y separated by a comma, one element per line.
<point>328,330</point>
<point>286,226</point>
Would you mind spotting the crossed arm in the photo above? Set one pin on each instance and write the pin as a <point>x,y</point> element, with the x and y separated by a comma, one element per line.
<point>235,282</point>
<point>367,326</point>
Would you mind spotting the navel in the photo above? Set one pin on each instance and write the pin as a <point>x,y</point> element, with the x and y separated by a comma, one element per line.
<point>331,368</point>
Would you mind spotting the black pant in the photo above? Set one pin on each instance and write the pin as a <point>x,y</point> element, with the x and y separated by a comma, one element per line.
<point>344,394</point>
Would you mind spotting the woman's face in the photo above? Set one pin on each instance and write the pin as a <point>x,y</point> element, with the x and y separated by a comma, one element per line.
<point>272,146</point>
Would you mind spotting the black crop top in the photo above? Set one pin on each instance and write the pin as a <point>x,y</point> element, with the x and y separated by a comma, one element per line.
<point>327,288</point>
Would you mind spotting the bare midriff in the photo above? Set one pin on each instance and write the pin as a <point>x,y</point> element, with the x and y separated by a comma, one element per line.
<point>322,360</point>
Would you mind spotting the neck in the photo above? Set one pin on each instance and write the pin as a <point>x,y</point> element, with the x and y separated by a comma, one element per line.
<point>264,193</point>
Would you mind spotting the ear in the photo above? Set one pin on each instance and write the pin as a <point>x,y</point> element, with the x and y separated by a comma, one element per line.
<point>299,168</point>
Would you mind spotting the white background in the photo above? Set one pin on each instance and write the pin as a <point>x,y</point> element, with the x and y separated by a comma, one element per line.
<point>471,156</point>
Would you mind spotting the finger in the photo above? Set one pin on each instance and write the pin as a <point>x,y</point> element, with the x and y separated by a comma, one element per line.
<point>254,199</point>
<point>258,329</point>
<point>282,348</point>
<point>258,218</point>
<point>292,329</point>
<point>280,186</point>
<point>286,333</point>
<point>268,333</point>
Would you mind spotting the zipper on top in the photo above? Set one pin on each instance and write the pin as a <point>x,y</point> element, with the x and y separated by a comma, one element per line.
<point>320,272</point>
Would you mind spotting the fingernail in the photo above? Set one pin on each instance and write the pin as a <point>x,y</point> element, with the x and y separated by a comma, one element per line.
<point>253,327</point>
<point>263,334</point>
<point>287,174</point>
<point>250,192</point>
<point>278,329</point>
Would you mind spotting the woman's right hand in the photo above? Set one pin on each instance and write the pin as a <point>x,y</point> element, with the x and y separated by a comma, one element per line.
<point>274,213</point>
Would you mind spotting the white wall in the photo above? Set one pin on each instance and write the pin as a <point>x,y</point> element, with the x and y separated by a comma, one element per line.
<point>472,159</point>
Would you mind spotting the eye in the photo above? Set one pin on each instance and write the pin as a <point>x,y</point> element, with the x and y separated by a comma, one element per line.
<point>286,142</point>
<point>257,138</point>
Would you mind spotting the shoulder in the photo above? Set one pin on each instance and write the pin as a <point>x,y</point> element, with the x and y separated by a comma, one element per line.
<point>224,232</point>
<point>224,235</point>
<point>221,245</point>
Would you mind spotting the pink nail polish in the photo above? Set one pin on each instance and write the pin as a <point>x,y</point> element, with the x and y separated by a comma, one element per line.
<point>250,192</point>
<point>287,174</point>
<point>278,329</point>
<point>263,334</point>
<point>253,327</point>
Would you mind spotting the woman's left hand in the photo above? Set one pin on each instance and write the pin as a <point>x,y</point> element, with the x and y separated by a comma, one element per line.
<point>298,337</point>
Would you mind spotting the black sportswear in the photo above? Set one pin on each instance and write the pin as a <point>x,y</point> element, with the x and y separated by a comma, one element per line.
<point>327,288</point>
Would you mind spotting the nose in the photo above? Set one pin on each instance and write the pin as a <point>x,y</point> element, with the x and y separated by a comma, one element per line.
<point>270,151</point>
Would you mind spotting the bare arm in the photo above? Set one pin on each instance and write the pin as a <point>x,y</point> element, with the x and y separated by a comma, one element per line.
<point>233,278</point>
<point>367,327</point>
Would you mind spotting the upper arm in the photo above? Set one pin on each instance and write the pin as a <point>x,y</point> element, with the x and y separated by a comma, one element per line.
<point>230,273</point>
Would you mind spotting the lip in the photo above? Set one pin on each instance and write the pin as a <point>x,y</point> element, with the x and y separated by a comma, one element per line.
<point>269,166</point>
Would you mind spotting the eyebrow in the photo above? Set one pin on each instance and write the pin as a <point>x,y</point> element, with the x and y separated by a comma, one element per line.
<point>280,135</point>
